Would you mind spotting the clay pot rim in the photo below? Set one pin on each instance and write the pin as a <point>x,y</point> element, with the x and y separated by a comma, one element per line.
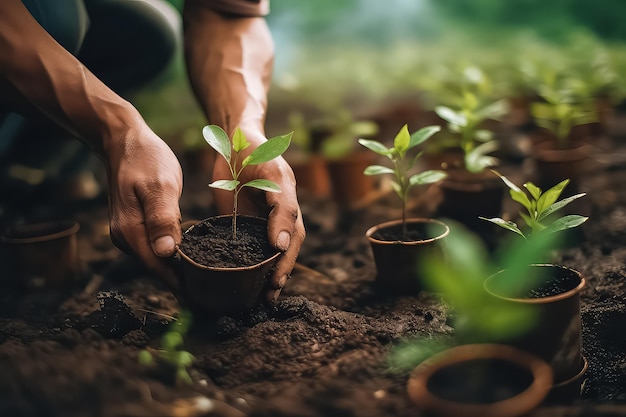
<point>574,378</point>
<point>62,229</point>
<point>214,268</point>
<point>392,223</point>
<point>542,300</point>
<point>519,404</point>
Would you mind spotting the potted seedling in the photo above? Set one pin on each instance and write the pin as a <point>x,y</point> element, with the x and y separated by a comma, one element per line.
<point>399,245</point>
<point>226,258</point>
<point>552,291</point>
<point>560,144</point>
<point>469,374</point>
<point>469,190</point>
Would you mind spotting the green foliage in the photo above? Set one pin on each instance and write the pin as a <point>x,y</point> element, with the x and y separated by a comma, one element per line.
<point>539,207</point>
<point>459,276</point>
<point>466,114</point>
<point>271,149</point>
<point>172,350</point>
<point>402,163</point>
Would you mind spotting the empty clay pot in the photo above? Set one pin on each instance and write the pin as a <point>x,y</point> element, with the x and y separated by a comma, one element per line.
<point>349,184</point>
<point>480,380</point>
<point>397,261</point>
<point>44,255</point>
<point>556,336</point>
<point>217,291</point>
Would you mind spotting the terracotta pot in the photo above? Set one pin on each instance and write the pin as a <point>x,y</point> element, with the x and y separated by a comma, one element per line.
<point>556,336</point>
<point>553,164</point>
<point>44,255</point>
<point>217,291</point>
<point>480,380</point>
<point>465,196</point>
<point>312,176</point>
<point>398,262</point>
<point>349,184</point>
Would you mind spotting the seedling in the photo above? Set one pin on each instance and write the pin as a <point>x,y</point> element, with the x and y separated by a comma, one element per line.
<point>402,163</point>
<point>273,148</point>
<point>539,206</point>
<point>171,350</point>
<point>466,116</point>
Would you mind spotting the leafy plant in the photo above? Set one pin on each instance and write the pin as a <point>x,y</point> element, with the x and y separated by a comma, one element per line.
<point>539,207</point>
<point>171,350</point>
<point>465,117</point>
<point>272,148</point>
<point>402,163</point>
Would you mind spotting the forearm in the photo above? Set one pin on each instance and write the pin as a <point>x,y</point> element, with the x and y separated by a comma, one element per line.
<point>229,61</point>
<point>40,73</point>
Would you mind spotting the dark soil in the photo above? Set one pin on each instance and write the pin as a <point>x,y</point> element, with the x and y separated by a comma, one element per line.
<point>546,282</point>
<point>211,242</point>
<point>481,381</point>
<point>322,351</point>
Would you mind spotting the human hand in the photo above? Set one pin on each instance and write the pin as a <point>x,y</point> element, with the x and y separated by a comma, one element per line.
<point>145,185</point>
<point>285,226</point>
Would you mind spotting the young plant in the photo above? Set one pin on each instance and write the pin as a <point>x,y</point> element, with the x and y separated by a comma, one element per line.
<point>539,206</point>
<point>172,351</point>
<point>273,148</point>
<point>466,116</point>
<point>402,163</point>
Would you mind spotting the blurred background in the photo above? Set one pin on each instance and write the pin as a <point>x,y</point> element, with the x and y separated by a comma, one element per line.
<point>364,56</point>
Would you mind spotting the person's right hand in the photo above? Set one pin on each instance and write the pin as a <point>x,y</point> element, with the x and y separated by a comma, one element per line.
<point>145,185</point>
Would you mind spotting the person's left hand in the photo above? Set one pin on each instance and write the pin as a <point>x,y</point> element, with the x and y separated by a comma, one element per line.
<point>286,228</point>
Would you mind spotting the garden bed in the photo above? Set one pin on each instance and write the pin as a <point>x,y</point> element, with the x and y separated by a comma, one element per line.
<point>321,351</point>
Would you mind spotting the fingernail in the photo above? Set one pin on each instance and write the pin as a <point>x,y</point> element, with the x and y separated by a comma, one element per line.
<point>283,240</point>
<point>282,281</point>
<point>164,246</point>
<point>275,297</point>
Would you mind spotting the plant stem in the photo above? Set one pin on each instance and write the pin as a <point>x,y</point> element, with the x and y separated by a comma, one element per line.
<point>235,194</point>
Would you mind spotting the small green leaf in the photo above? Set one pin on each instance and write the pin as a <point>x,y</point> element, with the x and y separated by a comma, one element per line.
<point>559,205</point>
<point>171,340</point>
<point>423,135</point>
<point>509,225</point>
<point>227,185</point>
<point>483,135</point>
<point>427,177</point>
<point>218,139</point>
<point>402,140</point>
<point>493,111</point>
<point>269,150</point>
<point>550,196</point>
<point>263,184</point>
<point>145,358</point>
<point>375,146</point>
<point>377,170</point>
<point>184,358</point>
<point>534,191</point>
<point>566,222</point>
<point>451,116</point>
<point>507,182</point>
<point>240,142</point>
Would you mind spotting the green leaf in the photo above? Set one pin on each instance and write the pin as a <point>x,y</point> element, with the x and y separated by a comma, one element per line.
<point>477,159</point>
<point>402,140</point>
<point>559,205</point>
<point>172,340</point>
<point>269,150</point>
<point>227,185</point>
<point>507,182</point>
<point>375,146</point>
<point>508,225</point>
<point>218,139</point>
<point>378,170</point>
<point>239,141</point>
<point>184,358</point>
<point>423,135</point>
<point>521,198</point>
<point>263,184</point>
<point>427,177</point>
<point>566,222</point>
<point>451,116</point>
<point>483,135</point>
<point>550,196</point>
<point>493,111</point>
<point>534,191</point>
<point>145,358</point>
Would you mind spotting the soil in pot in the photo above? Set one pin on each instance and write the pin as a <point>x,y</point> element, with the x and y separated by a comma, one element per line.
<point>211,242</point>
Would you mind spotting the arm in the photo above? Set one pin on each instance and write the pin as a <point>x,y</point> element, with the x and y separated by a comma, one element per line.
<point>229,61</point>
<point>145,180</point>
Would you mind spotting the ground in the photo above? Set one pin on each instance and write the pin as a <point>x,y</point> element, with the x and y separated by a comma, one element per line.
<point>322,351</point>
